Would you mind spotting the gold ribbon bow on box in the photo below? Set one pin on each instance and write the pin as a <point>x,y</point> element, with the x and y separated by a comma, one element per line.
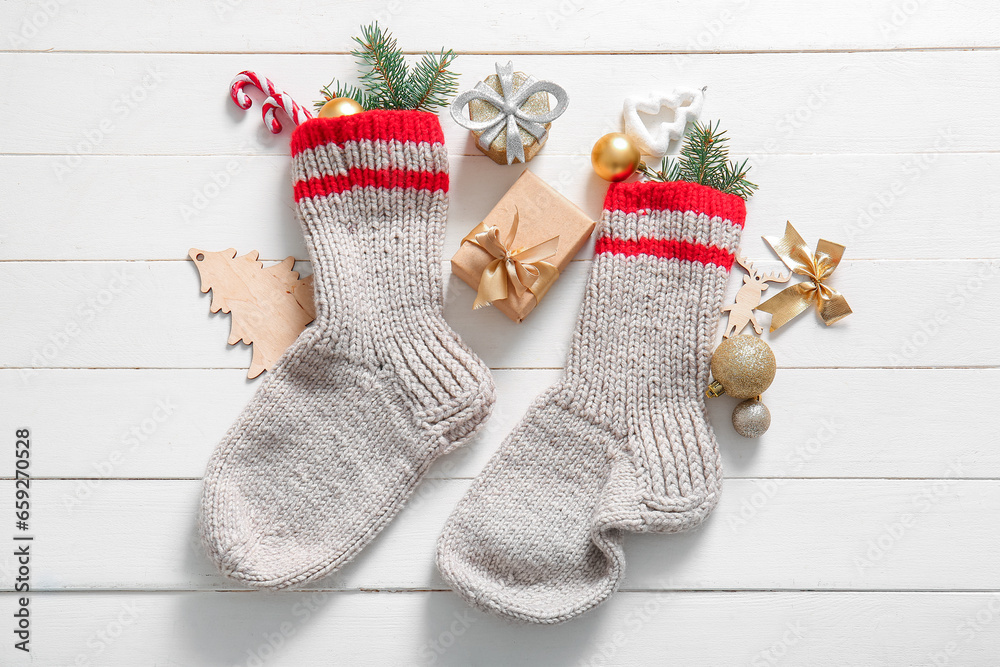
<point>817,267</point>
<point>523,268</point>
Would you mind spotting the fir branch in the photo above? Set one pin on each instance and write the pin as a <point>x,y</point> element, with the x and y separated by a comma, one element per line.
<point>732,180</point>
<point>386,80</point>
<point>670,170</point>
<point>704,159</point>
<point>433,84</point>
<point>335,89</point>
<point>385,71</point>
<point>704,153</point>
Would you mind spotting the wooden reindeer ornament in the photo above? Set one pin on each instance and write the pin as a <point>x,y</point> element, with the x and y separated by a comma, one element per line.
<point>269,306</point>
<point>748,298</point>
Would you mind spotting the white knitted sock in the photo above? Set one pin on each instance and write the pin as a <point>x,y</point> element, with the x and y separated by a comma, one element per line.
<point>349,420</point>
<point>621,444</point>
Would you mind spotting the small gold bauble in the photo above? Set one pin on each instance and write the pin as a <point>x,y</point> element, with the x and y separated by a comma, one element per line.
<point>615,157</point>
<point>743,367</point>
<point>340,106</point>
<point>751,418</point>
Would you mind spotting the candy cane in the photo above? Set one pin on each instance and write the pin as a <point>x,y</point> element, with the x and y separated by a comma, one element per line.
<point>276,99</point>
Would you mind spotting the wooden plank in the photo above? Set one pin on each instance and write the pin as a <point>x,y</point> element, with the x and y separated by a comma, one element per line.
<point>165,423</point>
<point>802,103</point>
<point>931,534</point>
<point>113,424</point>
<point>760,629</point>
<point>518,26</point>
<point>151,314</point>
<point>245,202</point>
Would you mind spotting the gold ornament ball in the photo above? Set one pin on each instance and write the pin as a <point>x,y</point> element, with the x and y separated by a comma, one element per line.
<point>743,367</point>
<point>340,106</point>
<point>615,157</point>
<point>751,418</point>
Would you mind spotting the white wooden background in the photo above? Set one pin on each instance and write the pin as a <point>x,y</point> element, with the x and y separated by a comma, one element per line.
<point>861,530</point>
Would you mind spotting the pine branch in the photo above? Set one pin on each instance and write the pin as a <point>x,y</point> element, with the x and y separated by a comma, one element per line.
<point>670,170</point>
<point>335,89</point>
<point>433,84</point>
<point>386,80</point>
<point>704,159</point>
<point>385,67</point>
<point>732,180</point>
<point>704,153</point>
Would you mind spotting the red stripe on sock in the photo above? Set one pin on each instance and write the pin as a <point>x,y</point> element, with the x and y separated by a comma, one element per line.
<point>666,249</point>
<point>675,196</point>
<point>371,178</point>
<point>415,126</point>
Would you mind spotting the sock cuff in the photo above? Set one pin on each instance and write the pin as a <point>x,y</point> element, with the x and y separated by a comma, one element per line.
<point>674,220</point>
<point>373,149</point>
<point>650,197</point>
<point>410,126</point>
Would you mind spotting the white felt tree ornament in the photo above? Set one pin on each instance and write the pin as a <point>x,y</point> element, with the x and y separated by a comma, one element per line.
<point>686,103</point>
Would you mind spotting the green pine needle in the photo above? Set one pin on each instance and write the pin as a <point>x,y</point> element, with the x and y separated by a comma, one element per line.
<point>389,83</point>
<point>384,69</point>
<point>732,180</point>
<point>433,84</point>
<point>335,89</point>
<point>670,170</point>
<point>704,159</point>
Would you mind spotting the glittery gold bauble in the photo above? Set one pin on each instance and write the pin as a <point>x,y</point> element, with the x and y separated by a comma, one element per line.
<point>742,366</point>
<point>615,157</point>
<point>536,105</point>
<point>751,418</point>
<point>340,106</point>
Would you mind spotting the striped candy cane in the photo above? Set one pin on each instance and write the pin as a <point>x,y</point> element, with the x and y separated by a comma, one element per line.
<point>276,99</point>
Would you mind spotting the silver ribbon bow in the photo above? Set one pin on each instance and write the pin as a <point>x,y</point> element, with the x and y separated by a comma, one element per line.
<point>511,116</point>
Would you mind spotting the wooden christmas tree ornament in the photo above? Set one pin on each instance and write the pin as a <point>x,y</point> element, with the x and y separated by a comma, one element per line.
<point>269,306</point>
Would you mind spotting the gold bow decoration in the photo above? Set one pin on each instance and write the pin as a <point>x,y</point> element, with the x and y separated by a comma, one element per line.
<point>816,267</point>
<point>523,268</point>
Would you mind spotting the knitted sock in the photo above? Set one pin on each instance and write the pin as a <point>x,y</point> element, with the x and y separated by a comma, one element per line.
<point>621,444</point>
<point>349,420</point>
